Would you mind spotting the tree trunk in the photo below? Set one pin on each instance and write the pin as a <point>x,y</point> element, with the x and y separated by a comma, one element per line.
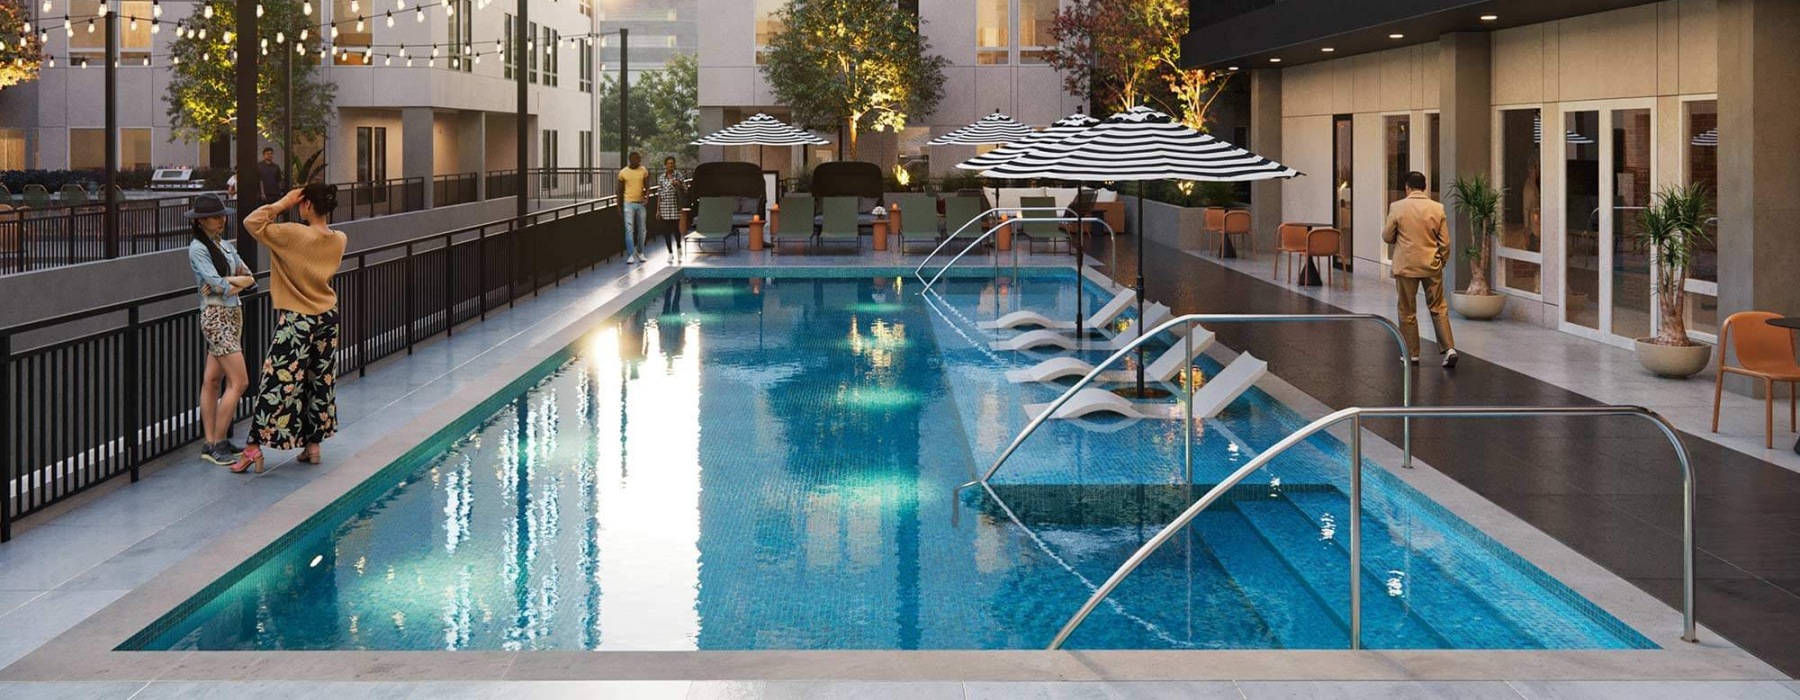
<point>850,134</point>
<point>1672,297</point>
<point>1478,272</point>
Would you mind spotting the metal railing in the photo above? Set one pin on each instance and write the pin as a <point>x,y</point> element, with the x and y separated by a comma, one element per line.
<point>455,188</point>
<point>91,395</point>
<point>1355,416</point>
<point>918,272</point>
<point>1189,320</point>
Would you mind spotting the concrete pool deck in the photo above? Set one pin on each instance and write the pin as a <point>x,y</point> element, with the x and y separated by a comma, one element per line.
<point>407,400</point>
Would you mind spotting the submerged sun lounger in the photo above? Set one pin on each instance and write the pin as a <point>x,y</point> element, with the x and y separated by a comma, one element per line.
<point>1213,396</point>
<point>1163,369</point>
<point>1103,316</point>
<point>1153,314</point>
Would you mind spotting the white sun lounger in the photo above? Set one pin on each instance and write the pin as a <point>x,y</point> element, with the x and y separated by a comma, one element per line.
<point>1102,317</point>
<point>1213,396</point>
<point>1162,369</point>
<point>1041,338</point>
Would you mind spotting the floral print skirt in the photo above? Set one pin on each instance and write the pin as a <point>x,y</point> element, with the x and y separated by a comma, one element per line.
<point>296,403</point>
<point>222,327</point>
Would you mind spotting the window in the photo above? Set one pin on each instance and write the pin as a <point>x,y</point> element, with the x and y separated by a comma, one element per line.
<point>1035,20</point>
<point>585,158</point>
<point>1521,215</point>
<point>1432,153</point>
<point>531,44</point>
<point>87,149</point>
<point>354,33</point>
<point>585,72</point>
<point>371,154</point>
<point>461,27</point>
<point>552,43</point>
<point>1701,148</point>
<point>12,149</point>
<point>587,7</point>
<point>1397,144</point>
<point>767,26</point>
<point>993,31</point>
<point>90,34</point>
<point>1005,26</point>
<point>508,55</point>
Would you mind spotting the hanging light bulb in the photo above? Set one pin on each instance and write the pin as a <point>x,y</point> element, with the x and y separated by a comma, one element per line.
<point>450,11</point>
<point>306,9</point>
<point>52,58</point>
<point>134,24</point>
<point>206,11</point>
<point>431,63</point>
<point>304,32</point>
<point>146,61</point>
<point>334,32</point>
<point>259,10</point>
<point>355,6</point>
<point>478,59</point>
<point>499,46</point>
<point>409,63</point>
<point>419,15</point>
<point>102,11</point>
<point>387,60</point>
<point>390,20</point>
<point>403,50</point>
<point>47,8</point>
<point>399,4</point>
<point>155,26</point>
<point>359,24</point>
<point>68,28</point>
<point>434,50</point>
<point>299,49</point>
<point>176,60</point>
<point>155,8</point>
<point>280,38</point>
<point>90,26</point>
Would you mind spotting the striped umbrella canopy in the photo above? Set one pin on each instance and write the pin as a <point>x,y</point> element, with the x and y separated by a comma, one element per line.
<point>761,130</point>
<point>1570,137</point>
<point>1062,129</point>
<point>1708,138</point>
<point>1139,145</point>
<point>993,128</point>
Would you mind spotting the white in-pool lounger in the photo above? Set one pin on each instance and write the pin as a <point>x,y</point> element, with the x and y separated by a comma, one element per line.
<point>1103,317</point>
<point>1213,396</point>
<point>1162,369</point>
<point>1044,338</point>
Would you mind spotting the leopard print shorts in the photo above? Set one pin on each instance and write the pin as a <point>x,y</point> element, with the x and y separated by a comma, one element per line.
<point>222,327</point>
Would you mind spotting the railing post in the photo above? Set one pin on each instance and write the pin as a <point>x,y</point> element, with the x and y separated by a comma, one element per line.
<point>6,437</point>
<point>412,305</point>
<point>1187,404</point>
<point>1356,532</point>
<point>449,285</point>
<point>69,234</point>
<point>133,410</point>
<point>362,316</point>
<point>481,278</point>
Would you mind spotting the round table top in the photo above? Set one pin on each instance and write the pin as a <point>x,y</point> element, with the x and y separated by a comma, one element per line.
<point>1786,322</point>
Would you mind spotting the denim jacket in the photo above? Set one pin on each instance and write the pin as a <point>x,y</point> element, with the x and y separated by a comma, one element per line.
<point>214,290</point>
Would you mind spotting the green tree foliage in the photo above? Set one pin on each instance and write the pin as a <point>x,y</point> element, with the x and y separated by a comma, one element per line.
<point>22,53</point>
<point>665,112</point>
<point>202,90</point>
<point>853,64</point>
<point>1130,52</point>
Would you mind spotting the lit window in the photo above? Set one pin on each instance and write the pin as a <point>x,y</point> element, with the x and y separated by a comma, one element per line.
<point>993,31</point>
<point>767,25</point>
<point>130,40</point>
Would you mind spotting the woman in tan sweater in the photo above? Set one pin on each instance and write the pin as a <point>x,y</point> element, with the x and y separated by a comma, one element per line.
<point>296,404</point>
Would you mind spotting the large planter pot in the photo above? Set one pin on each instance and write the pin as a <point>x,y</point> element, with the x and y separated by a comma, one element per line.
<point>1673,361</point>
<point>1477,307</point>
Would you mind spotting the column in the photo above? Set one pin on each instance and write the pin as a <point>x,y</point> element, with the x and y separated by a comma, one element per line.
<point>1265,141</point>
<point>471,147</point>
<point>1465,100</point>
<point>418,146</point>
<point>1759,159</point>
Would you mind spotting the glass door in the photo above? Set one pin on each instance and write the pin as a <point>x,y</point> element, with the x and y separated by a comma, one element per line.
<point>1343,166</point>
<point>1608,161</point>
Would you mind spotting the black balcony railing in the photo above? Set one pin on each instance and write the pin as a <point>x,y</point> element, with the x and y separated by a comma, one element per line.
<point>454,189</point>
<point>88,396</point>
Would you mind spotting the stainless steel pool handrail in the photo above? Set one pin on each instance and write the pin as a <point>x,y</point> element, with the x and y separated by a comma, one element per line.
<point>918,272</point>
<point>1355,416</point>
<point>1189,319</point>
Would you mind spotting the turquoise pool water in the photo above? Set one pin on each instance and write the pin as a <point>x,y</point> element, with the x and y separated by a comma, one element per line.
<point>752,460</point>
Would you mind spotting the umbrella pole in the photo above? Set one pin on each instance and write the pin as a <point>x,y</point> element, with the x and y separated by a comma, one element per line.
<point>1081,233</point>
<point>1140,285</point>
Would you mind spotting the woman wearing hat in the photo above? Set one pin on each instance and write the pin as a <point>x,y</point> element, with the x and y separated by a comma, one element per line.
<point>220,275</point>
<point>296,402</point>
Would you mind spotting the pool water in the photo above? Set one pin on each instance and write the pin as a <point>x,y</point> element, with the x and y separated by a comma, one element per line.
<point>771,462</point>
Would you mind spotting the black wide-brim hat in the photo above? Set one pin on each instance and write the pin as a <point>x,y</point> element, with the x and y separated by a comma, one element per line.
<point>207,205</point>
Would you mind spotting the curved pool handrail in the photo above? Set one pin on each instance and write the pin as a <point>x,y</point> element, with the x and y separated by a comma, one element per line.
<point>1405,370</point>
<point>1355,416</point>
<point>918,272</point>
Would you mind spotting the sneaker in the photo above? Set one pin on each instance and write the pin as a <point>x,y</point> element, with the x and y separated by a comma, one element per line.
<point>1450,357</point>
<point>217,454</point>
<point>235,448</point>
<point>630,260</point>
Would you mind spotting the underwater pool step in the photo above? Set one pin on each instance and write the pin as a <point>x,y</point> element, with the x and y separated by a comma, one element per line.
<point>1323,565</point>
<point>1295,614</point>
<point>1104,505</point>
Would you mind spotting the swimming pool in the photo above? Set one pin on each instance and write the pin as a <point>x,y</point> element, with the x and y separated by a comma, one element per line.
<point>768,460</point>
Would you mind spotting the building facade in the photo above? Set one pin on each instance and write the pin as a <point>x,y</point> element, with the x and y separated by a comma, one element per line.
<point>1581,111</point>
<point>659,29</point>
<point>995,50</point>
<point>428,93</point>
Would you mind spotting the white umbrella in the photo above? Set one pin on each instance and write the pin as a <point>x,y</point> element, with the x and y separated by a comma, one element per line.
<point>761,130</point>
<point>1141,145</point>
<point>993,128</point>
<point>1062,129</point>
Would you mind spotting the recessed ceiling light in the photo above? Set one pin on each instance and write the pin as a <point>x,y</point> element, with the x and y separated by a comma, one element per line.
<point>1232,68</point>
<point>1327,49</point>
<point>1489,18</point>
<point>1274,60</point>
<point>1396,36</point>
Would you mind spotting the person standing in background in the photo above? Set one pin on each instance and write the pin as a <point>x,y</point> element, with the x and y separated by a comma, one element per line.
<point>632,181</point>
<point>1415,227</point>
<point>268,178</point>
<point>671,194</point>
<point>221,276</point>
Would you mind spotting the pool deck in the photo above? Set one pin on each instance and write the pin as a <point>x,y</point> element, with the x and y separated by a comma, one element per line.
<point>73,584</point>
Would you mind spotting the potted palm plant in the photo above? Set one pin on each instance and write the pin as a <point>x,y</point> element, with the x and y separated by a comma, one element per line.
<point>1478,200</point>
<point>1672,228</point>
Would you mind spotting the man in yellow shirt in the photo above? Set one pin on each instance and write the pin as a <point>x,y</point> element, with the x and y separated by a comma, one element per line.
<point>631,200</point>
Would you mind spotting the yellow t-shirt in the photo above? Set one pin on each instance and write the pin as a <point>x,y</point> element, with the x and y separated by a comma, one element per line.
<point>634,179</point>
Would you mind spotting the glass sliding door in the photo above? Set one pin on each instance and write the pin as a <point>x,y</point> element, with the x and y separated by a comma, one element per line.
<point>1520,260</point>
<point>1632,188</point>
<point>1609,165</point>
<point>1700,142</point>
<point>1397,151</point>
<point>1343,167</point>
<point>1581,219</point>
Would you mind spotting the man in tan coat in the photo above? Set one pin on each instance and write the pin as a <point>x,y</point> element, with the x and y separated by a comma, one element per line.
<point>1415,227</point>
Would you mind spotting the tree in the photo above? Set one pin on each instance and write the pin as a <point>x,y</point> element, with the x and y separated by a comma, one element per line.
<point>665,110</point>
<point>23,53</point>
<point>852,64</point>
<point>202,94</point>
<point>1129,51</point>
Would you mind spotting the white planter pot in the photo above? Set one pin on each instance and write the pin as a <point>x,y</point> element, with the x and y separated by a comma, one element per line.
<point>1477,307</point>
<point>1673,361</point>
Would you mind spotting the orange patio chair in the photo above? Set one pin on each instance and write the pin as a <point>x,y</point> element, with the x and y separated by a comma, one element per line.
<point>1290,240</point>
<point>1212,221</point>
<point>1327,243</point>
<point>1764,352</point>
<point>1237,223</point>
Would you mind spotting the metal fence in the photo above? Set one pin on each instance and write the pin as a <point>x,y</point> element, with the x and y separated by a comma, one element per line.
<point>88,396</point>
<point>55,236</point>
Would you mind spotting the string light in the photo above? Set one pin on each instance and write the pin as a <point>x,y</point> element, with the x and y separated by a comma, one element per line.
<point>399,4</point>
<point>46,6</point>
<point>155,8</point>
<point>134,24</point>
<point>90,26</point>
<point>306,9</point>
<point>419,15</point>
<point>355,7</point>
<point>155,26</point>
<point>259,10</point>
<point>206,11</point>
<point>359,24</point>
<point>334,32</point>
<point>390,20</point>
<point>102,11</point>
<point>304,33</point>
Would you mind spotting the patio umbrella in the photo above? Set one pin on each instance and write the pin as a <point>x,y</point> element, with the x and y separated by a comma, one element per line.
<point>761,130</point>
<point>993,128</point>
<point>1141,145</point>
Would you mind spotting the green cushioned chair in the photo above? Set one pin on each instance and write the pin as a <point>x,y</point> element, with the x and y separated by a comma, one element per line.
<point>713,224</point>
<point>1049,232</point>
<point>840,225</point>
<point>796,224</point>
<point>918,220</point>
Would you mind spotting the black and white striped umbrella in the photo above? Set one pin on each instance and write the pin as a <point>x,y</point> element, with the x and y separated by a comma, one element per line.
<point>1570,137</point>
<point>1140,145</point>
<point>761,130</point>
<point>1062,129</point>
<point>993,128</point>
<point>1708,138</point>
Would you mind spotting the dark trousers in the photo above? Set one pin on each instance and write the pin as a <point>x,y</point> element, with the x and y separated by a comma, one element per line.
<point>671,231</point>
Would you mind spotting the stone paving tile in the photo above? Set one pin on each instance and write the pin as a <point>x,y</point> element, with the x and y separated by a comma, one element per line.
<point>1653,690</point>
